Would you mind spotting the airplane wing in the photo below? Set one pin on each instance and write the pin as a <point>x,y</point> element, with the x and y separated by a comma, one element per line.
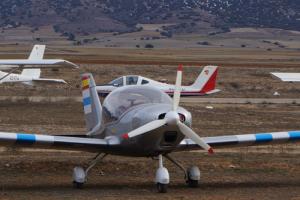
<point>37,141</point>
<point>242,140</point>
<point>42,63</point>
<point>287,77</point>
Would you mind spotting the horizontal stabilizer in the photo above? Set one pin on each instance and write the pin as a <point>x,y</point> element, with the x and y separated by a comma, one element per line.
<point>50,80</point>
<point>213,91</point>
<point>43,63</point>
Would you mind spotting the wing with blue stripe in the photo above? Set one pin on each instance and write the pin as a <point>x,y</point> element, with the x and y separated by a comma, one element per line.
<point>80,143</point>
<point>244,140</point>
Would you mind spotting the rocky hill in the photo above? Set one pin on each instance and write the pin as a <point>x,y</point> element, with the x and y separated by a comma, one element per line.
<point>90,16</point>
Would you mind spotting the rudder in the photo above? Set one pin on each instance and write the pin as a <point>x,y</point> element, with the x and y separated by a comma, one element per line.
<point>206,81</point>
<point>37,53</point>
<point>91,104</point>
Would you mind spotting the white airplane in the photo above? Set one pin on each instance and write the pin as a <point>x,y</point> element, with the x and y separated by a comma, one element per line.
<point>204,84</point>
<point>287,77</point>
<point>31,67</point>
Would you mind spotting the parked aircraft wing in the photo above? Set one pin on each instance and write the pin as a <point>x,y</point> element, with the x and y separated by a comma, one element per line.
<point>73,143</point>
<point>287,77</point>
<point>25,63</point>
<point>243,140</point>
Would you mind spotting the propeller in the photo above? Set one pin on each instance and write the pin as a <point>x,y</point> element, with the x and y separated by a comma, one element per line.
<point>172,118</point>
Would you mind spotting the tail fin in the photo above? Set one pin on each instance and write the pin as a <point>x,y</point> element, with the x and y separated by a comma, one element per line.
<point>92,105</point>
<point>37,53</point>
<point>206,81</point>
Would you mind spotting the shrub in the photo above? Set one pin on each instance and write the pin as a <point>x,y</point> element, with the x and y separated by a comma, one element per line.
<point>149,46</point>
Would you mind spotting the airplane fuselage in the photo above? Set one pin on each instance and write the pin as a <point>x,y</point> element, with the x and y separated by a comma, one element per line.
<point>104,90</point>
<point>6,78</point>
<point>160,141</point>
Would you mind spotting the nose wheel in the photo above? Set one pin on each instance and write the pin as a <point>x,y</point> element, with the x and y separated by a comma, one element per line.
<point>162,177</point>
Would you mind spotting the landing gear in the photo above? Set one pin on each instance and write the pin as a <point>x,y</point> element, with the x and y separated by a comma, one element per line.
<point>162,177</point>
<point>77,185</point>
<point>162,188</point>
<point>191,175</point>
<point>80,175</point>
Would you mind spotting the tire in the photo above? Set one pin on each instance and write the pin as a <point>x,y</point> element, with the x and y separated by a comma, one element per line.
<point>77,185</point>
<point>192,183</point>
<point>162,188</point>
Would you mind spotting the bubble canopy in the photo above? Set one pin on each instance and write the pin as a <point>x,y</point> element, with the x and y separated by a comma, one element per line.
<point>124,98</point>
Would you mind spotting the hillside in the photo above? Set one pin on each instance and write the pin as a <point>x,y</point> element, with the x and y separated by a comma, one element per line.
<point>84,17</point>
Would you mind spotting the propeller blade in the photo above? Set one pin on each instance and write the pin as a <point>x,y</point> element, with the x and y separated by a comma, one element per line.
<point>177,91</point>
<point>188,132</point>
<point>144,129</point>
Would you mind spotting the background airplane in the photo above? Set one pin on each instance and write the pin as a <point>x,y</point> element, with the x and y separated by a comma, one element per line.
<point>139,121</point>
<point>287,77</point>
<point>204,84</point>
<point>31,71</point>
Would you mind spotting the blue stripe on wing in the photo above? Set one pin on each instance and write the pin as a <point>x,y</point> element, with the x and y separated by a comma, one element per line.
<point>25,138</point>
<point>263,137</point>
<point>294,135</point>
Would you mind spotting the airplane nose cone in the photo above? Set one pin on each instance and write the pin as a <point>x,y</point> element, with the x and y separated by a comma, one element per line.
<point>172,118</point>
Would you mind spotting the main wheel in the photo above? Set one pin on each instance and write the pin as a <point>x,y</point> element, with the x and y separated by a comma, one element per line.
<point>193,176</point>
<point>192,183</point>
<point>162,188</point>
<point>77,185</point>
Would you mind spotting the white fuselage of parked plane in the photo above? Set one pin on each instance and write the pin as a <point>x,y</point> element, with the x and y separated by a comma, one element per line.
<point>168,88</point>
<point>204,84</point>
<point>13,77</point>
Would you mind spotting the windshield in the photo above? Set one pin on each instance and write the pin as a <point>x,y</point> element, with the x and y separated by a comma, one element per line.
<point>122,99</point>
<point>131,80</point>
<point>118,82</point>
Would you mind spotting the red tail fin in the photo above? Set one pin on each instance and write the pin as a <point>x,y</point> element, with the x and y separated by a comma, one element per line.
<point>211,83</point>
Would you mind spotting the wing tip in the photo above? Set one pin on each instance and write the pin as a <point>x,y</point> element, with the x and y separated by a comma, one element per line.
<point>210,151</point>
<point>180,67</point>
<point>125,136</point>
